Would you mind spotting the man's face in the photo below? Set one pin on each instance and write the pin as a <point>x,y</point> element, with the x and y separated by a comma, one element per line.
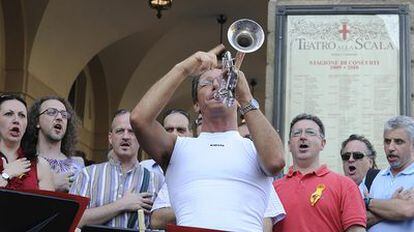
<point>358,163</point>
<point>52,124</point>
<point>122,137</point>
<point>399,149</point>
<point>208,85</point>
<point>305,140</point>
<point>177,124</point>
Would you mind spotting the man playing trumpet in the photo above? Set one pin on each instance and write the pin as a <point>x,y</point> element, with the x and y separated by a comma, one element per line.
<point>219,180</point>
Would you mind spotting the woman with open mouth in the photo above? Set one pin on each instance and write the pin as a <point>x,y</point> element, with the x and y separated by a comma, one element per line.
<point>18,169</point>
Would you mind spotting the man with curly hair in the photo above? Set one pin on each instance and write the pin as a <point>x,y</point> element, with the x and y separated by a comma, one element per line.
<point>52,134</point>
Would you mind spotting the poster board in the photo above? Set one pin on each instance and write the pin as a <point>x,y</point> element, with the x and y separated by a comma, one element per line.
<point>349,65</point>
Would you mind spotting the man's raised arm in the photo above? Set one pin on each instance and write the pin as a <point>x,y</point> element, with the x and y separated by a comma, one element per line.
<point>151,135</point>
<point>265,138</point>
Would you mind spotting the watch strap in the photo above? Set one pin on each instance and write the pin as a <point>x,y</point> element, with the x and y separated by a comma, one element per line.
<point>252,105</point>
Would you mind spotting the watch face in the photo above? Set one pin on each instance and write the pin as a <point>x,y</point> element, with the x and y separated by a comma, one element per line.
<point>254,103</point>
<point>5,175</point>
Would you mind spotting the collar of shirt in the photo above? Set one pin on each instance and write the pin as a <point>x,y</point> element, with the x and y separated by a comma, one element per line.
<point>407,171</point>
<point>115,162</point>
<point>322,170</point>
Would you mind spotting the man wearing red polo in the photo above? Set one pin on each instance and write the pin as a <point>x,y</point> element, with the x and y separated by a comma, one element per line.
<point>315,198</point>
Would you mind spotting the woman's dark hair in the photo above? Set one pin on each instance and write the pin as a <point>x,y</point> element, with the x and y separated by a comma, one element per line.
<point>69,140</point>
<point>8,97</point>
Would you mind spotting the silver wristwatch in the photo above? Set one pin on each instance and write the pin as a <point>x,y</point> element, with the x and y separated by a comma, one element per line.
<point>252,105</point>
<point>5,176</point>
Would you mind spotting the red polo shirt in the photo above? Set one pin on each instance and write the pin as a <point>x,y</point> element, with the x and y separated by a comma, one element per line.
<point>339,207</point>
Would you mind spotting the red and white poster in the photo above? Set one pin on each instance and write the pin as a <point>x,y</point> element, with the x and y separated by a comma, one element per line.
<point>344,69</point>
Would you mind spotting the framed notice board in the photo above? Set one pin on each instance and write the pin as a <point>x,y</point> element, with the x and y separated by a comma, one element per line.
<point>347,64</point>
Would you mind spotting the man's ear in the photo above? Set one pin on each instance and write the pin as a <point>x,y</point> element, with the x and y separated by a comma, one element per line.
<point>289,145</point>
<point>323,143</point>
<point>196,107</point>
<point>110,138</point>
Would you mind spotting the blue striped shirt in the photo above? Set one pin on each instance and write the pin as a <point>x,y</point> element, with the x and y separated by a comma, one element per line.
<point>105,183</point>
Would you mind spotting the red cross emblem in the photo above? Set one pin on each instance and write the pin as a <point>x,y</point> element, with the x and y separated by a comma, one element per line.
<point>344,31</point>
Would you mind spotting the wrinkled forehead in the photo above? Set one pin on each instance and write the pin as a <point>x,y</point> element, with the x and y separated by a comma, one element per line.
<point>397,133</point>
<point>176,119</point>
<point>355,145</point>
<point>305,124</point>
<point>211,74</point>
<point>121,122</point>
<point>52,103</point>
<point>13,104</point>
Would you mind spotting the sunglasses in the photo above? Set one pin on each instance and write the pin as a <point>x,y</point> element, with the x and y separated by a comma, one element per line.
<point>357,155</point>
<point>54,112</point>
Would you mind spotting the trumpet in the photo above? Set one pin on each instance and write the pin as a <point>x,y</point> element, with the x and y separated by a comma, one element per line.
<point>245,36</point>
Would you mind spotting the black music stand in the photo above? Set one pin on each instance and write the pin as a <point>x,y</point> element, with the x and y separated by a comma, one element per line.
<point>99,228</point>
<point>36,210</point>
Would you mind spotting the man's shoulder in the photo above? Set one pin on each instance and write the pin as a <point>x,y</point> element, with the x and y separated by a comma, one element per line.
<point>77,159</point>
<point>341,179</point>
<point>147,162</point>
<point>95,167</point>
<point>281,181</point>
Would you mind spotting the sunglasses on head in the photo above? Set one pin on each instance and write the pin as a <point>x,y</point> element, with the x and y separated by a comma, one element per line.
<point>357,155</point>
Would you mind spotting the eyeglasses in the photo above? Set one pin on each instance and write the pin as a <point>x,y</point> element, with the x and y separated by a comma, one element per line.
<point>310,132</point>
<point>53,112</point>
<point>357,155</point>
<point>209,81</point>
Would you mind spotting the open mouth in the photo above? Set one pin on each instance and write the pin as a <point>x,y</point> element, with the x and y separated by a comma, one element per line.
<point>352,170</point>
<point>57,126</point>
<point>125,145</point>
<point>15,131</point>
<point>391,157</point>
<point>303,147</point>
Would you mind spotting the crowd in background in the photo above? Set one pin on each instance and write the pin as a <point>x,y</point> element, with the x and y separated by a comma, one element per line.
<point>213,173</point>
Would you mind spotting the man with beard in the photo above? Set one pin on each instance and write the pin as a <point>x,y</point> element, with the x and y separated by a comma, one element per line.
<point>315,198</point>
<point>121,186</point>
<point>358,161</point>
<point>51,134</point>
<point>218,180</point>
<point>390,203</point>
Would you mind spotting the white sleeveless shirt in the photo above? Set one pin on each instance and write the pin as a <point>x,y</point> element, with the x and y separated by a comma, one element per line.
<point>215,181</point>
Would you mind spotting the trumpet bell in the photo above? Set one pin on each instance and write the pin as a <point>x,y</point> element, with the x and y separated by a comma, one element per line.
<point>245,35</point>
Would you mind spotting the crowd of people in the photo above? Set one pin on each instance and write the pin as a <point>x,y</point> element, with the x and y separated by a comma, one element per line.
<point>214,174</point>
